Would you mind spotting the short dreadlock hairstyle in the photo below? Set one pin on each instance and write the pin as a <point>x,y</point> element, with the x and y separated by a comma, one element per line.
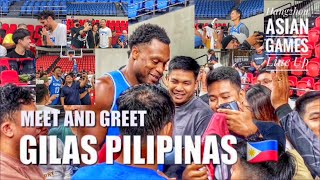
<point>146,33</point>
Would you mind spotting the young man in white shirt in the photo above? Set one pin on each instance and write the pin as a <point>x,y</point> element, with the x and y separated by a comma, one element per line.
<point>53,33</point>
<point>105,35</point>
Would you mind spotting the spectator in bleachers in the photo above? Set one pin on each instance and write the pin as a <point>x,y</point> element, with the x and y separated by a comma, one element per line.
<point>93,37</point>
<point>85,91</point>
<point>21,38</point>
<point>199,40</point>
<point>200,28</point>
<point>114,40</point>
<point>192,114</point>
<point>55,85</point>
<point>238,26</point>
<point>89,35</point>
<point>308,107</point>
<point>214,61</point>
<point>105,35</point>
<point>14,99</point>
<point>55,34</point>
<point>38,75</point>
<point>8,42</point>
<point>3,51</point>
<point>123,40</point>
<point>258,60</point>
<point>75,42</point>
<point>70,91</point>
<point>2,31</point>
<point>211,53</point>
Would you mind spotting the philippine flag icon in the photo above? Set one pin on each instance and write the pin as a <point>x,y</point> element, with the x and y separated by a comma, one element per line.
<point>262,151</point>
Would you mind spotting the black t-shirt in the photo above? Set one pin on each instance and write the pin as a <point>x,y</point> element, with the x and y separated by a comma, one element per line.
<point>2,33</point>
<point>71,94</point>
<point>14,54</point>
<point>86,99</point>
<point>75,41</point>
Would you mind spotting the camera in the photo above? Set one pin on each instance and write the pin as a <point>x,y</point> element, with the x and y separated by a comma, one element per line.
<point>40,31</point>
<point>230,105</point>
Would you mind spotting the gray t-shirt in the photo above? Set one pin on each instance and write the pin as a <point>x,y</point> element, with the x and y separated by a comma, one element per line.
<point>259,58</point>
<point>190,119</point>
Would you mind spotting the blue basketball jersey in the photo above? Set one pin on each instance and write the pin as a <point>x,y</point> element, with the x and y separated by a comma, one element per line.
<point>54,88</point>
<point>120,84</point>
<point>234,30</point>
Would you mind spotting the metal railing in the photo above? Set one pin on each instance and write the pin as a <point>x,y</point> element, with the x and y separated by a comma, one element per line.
<point>152,9</point>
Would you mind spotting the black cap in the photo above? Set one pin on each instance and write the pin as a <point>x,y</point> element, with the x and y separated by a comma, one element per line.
<point>226,40</point>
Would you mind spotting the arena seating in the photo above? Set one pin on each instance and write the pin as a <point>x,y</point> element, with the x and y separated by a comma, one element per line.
<point>86,63</point>
<point>213,9</point>
<point>92,9</point>
<point>44,62</point>
<point>10,68</point>
<point>222,8</point>
<point>139,7</point>
<point>4,6</point>
<point>116,25</point>
<point>33,7</point>
<point>64,7</point>
<point>251,8</point>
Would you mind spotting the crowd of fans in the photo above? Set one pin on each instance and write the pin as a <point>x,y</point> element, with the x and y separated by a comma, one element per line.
<point>66,88</point>
<point>97,36</point>
<point>236,37</point>
<point>173,108</point>
<point>17,44</point>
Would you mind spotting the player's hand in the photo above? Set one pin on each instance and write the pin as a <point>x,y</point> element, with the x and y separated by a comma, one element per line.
<point>44,32</point>
<point>53,97</point>
<point>240,122</point>
<point>280,87</point>
<point>194,171</point>
<point>254,39</point>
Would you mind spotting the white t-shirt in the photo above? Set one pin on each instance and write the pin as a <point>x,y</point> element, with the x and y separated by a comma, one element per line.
<point>63,172</point>
<point>216,65</point>
<point>3,51</point>
<point>104,35</point>
<point>59,35</point>
<point>200,31</point>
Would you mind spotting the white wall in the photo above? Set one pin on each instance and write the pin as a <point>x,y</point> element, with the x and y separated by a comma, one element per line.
<point>179,26</point>
<point>276,3</point>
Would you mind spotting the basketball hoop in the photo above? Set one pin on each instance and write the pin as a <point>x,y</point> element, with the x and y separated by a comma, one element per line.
<point>70,54</point>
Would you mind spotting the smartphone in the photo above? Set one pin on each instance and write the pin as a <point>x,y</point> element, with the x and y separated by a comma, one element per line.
<point>230,105</point>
